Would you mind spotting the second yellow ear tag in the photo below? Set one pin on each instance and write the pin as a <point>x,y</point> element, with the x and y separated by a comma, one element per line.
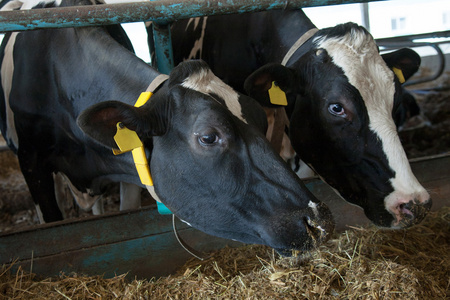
<point>399,74</point>
<point>126,139</point>
<point>277,96</point>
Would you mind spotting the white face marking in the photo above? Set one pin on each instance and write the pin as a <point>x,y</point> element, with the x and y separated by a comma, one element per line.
<point>204,81</point>
<point>358,56</point>
<point>7,71</point>
<point>198,45</point>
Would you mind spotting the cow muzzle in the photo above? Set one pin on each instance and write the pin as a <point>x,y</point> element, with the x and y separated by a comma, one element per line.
<point>301,230</point>
<point>409,213</point>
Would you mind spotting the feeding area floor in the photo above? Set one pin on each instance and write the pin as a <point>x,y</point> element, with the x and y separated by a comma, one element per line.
<point>360,263</point>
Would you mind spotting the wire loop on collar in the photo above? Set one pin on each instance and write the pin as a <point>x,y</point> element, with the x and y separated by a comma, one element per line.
<point>186,247</point>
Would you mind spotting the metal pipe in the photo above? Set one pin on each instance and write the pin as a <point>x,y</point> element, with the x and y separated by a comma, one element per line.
<point>163,47</point>
<point>410,38</point>
<point>438,72</point>
<point>158,11</point>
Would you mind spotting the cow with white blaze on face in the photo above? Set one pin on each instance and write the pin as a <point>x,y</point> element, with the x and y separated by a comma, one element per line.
<point>341,95</point>
<point>209,160</point>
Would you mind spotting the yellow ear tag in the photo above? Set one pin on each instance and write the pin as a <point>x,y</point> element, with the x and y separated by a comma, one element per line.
<point>277,96</point>
<point>126,139</point>
<point>399,75</point>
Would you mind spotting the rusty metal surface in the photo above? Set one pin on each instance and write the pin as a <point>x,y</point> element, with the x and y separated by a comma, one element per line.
<point>159,11</point>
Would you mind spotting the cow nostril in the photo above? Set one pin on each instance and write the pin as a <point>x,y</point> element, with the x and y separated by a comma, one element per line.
<point>405,209</point>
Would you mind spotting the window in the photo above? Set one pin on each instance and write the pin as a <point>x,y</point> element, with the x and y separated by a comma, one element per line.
<point>398,24</point>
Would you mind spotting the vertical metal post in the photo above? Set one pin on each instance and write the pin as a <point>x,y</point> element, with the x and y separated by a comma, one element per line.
<point>365,15</point>
<point>163,47</point>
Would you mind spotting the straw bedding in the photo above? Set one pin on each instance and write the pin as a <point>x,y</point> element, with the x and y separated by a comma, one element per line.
<point>360,263</point>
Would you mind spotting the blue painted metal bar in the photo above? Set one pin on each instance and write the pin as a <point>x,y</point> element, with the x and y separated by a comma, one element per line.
<point>158,11</point>
<point>163,47</point>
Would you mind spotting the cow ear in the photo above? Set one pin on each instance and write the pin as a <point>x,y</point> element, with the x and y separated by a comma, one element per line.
<point>406,60</point>
<point>100,121</point>
<point>258,84</point>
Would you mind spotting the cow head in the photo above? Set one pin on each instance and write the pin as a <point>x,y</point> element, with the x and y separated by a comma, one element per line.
<point>342,95</point>
<point>211,166</point>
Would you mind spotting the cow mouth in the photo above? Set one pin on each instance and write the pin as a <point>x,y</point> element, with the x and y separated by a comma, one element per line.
<point>410,214</point>
<point>318,231</point>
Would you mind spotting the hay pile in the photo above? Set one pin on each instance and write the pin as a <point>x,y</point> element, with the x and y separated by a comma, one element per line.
<point>361,263</point>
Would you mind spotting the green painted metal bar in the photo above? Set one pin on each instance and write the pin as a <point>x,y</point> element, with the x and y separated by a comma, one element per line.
<point>158,11</point>
<point>163,47</point>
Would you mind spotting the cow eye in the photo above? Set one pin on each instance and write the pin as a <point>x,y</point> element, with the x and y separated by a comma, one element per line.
<point>208,139</point>
<point>337,110</point>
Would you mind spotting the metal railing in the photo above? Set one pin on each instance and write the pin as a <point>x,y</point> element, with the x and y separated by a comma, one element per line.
<point>161,12</point>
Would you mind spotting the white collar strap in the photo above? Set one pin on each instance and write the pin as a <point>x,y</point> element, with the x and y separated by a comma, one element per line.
<point>298,44</point>
<point>157,82</point>
<point>160,79</point>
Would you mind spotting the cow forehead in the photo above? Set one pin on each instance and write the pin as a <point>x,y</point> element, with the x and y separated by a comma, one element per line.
<point>204,81</point>
<point>357,55</point>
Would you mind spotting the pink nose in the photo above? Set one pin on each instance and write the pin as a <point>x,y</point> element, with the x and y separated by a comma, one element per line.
<point>410,213</point>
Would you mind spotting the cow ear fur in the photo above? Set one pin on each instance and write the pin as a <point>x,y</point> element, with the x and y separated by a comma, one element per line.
<point>404,59</point>
<point>100,121</point>
<point>259,82</point>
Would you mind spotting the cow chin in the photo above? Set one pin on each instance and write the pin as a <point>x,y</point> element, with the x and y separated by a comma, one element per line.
<point>299,230</point>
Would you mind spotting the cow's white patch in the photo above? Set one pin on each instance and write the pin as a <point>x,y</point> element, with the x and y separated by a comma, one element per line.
<point>28,4</point>
<point>198,45</point>
<point>357,54</point>
<point>7,71</point>
<point>313,206</point>
<point>204,81</point>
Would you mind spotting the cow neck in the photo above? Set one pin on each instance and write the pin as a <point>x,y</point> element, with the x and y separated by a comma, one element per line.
<point>301,40</point>
<point>128,140</point>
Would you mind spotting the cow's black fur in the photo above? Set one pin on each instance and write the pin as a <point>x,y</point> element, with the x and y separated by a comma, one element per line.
<point>345,152</point>
<point>211,168</point>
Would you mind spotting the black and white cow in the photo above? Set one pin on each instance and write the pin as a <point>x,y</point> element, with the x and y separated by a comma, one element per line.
<point>210,162</point>
<point>341,96</point>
